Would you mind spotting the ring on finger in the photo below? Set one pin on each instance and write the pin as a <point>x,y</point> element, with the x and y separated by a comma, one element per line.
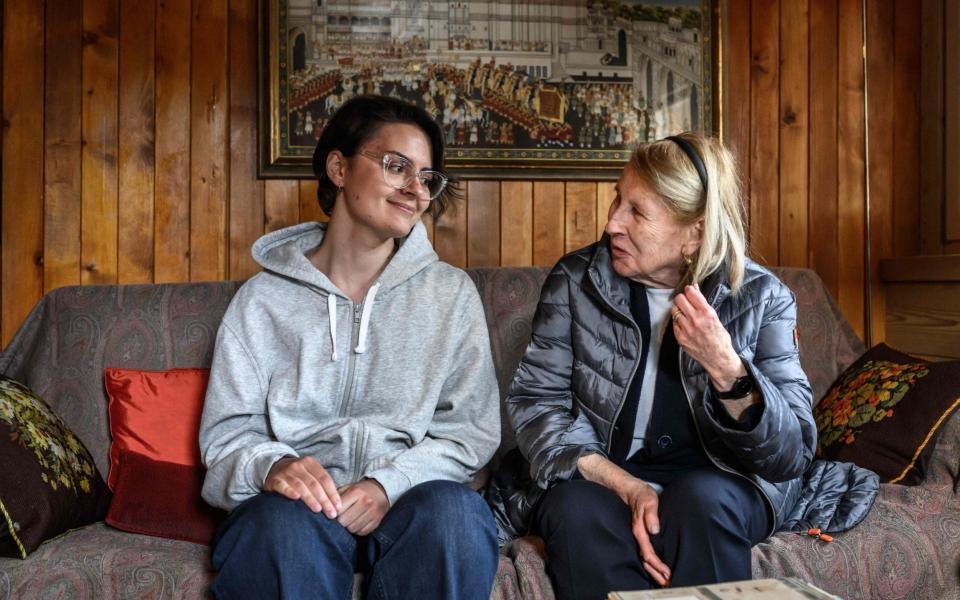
<point>677,314</point>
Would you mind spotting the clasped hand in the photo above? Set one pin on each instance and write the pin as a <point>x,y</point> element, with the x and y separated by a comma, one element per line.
<point>359,506</point>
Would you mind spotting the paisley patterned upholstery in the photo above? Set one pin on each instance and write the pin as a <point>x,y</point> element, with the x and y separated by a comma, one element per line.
<point>909,547</point>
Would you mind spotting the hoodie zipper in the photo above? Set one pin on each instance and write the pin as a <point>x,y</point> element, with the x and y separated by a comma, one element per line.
<point>348,392</point>
<point>351,359</point>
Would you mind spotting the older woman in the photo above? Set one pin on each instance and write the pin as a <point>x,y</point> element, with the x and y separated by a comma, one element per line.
<point>661,403</point>
<point>352,391</point>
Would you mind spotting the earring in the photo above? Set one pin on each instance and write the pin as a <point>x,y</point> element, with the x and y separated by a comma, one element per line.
<point>687,259</point>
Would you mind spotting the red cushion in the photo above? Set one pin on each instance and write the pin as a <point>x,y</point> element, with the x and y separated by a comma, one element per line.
<point>155,467</point>
<point>161,499</point>
<point>156,414</point>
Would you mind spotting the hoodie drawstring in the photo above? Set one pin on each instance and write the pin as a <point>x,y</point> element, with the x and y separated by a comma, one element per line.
<point>365,318</point>
<point>332,316</point>
<point>364,321</point>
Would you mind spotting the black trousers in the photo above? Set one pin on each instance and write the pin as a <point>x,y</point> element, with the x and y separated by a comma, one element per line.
<point>709,521</point>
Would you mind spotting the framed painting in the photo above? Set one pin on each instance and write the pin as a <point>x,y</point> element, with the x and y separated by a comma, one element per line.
<point>553,89</point>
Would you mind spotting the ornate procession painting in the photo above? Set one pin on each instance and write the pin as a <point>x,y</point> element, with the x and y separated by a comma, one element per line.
<point>550,88</point>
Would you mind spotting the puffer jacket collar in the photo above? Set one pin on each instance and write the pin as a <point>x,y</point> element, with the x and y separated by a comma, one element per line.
<point>615,290</point>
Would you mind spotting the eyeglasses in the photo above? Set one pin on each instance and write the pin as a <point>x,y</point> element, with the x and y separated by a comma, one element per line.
<point>399,173</point>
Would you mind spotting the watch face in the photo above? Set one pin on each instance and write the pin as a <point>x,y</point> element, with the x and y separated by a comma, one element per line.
<point>742,386</point>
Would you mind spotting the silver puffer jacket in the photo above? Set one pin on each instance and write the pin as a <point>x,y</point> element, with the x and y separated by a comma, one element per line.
<point>572,383</point>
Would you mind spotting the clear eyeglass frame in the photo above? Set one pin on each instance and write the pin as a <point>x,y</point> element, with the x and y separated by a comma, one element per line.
<point>398,173</point>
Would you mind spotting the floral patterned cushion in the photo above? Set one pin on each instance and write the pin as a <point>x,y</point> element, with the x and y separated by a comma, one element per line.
<point>885,411</point>
<point>48,482</point>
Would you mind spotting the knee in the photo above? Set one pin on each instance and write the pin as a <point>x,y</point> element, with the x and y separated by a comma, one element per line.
<point>450,513</point>
<point>580,508</point>
<point>448,501</point>
<point>270,513</point>
<point>703,497</point>
<point>277,522</point>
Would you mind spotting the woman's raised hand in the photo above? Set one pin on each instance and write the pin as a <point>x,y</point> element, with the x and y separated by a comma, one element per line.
<point>304,479</point>
<point>701,334</point>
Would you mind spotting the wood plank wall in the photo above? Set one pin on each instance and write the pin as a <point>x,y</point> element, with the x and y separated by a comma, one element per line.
<point>129,149</point>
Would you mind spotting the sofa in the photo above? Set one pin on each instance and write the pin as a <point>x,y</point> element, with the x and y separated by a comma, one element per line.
<point>908,547</point>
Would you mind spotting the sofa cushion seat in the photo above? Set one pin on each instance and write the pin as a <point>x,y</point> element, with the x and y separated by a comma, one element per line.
<point>98,561</point>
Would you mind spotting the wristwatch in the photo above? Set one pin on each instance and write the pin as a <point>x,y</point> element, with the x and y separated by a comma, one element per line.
<point>742,387</point>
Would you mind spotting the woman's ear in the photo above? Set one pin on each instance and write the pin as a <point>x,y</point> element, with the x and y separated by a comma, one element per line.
<point>336,167</point>
<point>694,236</point>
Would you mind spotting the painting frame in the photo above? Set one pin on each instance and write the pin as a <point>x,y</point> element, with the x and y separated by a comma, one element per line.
<point>552,158</point>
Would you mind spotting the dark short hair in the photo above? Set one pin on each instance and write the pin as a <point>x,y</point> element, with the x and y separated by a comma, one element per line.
<point>358,120</point>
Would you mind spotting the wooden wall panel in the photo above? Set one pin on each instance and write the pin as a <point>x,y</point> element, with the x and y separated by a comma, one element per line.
<point>516,223</point>
<point>549,210</point>
<point>483,224</point>
<point>61,154</point>
<point>606,192</point>
<point>764,130</point>
<point>923,305</point>
<point>309,205</point>
<point>450,236</point>
<point>581,215</point>
<point>906,149</point>
<point>951,100</point>
<point>281,207</point>
<point>931,126</point>
<point>850,210</point>
<point>823,142</point>
<point>22,221</point>
<point>736,61</point>
<point>880,15</point>
<point>246,191</point>
<point>794,131</point>
<point>79,163</point>
<point>924,319</point>
<point>98,219</point>
<point>208,139</point>
<point>172,199</point>
<point>136,142</point>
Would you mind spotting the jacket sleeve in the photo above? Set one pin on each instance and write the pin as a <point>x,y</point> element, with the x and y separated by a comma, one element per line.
<point>465,429</point>
<point>550,433</point>
<point>234,441</point>
<point>781,445</point>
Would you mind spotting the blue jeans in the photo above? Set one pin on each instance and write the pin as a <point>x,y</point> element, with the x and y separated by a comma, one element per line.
<point>438,541</point>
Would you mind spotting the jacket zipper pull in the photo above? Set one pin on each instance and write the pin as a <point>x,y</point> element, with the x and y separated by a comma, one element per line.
<point>357,309</point>
<point>815,532</point>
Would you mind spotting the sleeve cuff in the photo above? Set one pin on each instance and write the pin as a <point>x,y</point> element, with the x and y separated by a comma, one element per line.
<point>259,466</point>
<point>748,421</point>
<point>394,482</point>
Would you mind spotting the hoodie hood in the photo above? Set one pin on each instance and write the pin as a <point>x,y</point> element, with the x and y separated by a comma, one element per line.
<point>284,252</point>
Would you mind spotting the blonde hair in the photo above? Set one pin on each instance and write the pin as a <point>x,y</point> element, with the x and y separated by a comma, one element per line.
<point>670,172</point>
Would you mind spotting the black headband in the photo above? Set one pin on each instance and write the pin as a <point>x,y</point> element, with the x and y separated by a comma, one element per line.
<point>691,152</point>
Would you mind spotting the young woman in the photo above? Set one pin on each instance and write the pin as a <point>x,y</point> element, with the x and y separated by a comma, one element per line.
<point>352,391</point>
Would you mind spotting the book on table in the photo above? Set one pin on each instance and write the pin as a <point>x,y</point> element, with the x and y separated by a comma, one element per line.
<point>788,588</point>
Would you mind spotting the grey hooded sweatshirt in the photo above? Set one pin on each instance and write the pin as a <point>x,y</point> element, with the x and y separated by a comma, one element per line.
<point>400,388</point>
